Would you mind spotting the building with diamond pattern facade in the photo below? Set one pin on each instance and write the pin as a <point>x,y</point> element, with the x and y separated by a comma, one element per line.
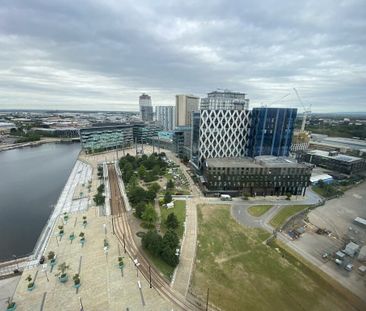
<point>223,127</point>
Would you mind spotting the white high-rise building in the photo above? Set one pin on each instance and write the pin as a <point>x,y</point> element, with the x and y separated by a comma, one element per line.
<point>185,105</point>
<point>146,109</point>
<point>223,127</point>
<point>165,115</point>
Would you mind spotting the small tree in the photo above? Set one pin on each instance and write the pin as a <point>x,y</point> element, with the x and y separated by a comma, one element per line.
<point>167,197</point>
<point>171,239</point>
<point>154,187</point>
<point>172,221</point>
<point>139,209</point>
<point>149,215</point>
<point>141,171</point>
<point>51,255</point>
<point>76,279</point>
<point>170,184</point>
<point>288,195</point>
<point>62,268</point>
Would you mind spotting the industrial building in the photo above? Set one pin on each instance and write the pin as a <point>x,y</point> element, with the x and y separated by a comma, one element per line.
<point>263,175</point>
<point>333,160</point>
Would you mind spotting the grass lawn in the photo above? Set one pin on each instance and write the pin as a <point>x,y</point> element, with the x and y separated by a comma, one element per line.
<point>162,266</point>
<point>258,210</point>
<point>179,210</point>
<point>244,274</point>
<point>287,211</point>
<point>327,191</point>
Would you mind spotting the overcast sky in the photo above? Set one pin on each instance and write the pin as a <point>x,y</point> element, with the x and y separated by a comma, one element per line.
<point>102,54</point>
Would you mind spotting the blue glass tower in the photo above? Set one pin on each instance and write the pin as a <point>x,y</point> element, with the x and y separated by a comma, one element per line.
<point>271,131</point>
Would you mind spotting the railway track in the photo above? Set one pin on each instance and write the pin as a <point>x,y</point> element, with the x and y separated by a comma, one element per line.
<point>124,234</point>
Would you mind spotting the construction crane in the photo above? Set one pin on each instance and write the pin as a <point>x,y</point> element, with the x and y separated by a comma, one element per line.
<point>307,111</point>
<point>276,101</point>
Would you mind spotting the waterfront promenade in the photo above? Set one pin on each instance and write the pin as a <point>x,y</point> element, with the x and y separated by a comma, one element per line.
<point>103,285</point>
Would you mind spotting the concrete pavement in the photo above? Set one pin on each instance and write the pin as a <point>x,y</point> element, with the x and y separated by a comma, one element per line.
<point>182,276</point>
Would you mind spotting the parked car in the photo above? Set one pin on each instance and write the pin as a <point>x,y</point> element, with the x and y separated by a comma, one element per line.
<point>349,267</point>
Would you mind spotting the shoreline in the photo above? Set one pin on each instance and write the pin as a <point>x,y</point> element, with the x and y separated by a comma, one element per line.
<point>64,201</point>
<point>38,143</point>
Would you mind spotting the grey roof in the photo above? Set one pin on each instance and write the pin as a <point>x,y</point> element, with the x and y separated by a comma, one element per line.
<point>261,161</point>
<point>339,157</point>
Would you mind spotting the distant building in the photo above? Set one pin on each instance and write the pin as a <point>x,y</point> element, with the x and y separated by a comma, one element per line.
<point>96,139</point>
<point>142,132</point>
<point>6,127</point>
<point>185,105</point>
<point>271,131</point>
<point>332,160</point>
<point>146,109</point>
<point>165,115</point>
<point>115,136</point>
<point>265,175</point>
<point>225,100</point>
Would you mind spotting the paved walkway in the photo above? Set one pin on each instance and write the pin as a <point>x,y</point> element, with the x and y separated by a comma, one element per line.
<point>183,272</point>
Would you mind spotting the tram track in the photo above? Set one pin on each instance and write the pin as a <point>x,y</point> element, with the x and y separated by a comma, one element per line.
<point>124,234</point>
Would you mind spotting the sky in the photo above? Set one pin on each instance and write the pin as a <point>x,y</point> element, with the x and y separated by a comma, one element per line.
<point>101,55</point>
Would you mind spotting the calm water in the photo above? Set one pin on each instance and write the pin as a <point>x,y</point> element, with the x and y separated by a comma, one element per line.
<point>31,180</point>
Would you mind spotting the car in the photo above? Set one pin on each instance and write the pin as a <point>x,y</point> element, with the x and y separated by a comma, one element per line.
<point>325,255</point>
<point>338,261</point>
<point>349,267</point>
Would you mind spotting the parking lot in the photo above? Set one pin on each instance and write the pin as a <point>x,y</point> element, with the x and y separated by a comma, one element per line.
<point>336,217</point>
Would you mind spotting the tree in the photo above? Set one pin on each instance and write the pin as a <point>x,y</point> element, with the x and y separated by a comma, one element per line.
<point>99,199</point>
<point>167,197</point>
<point>155,187</point>
<point>139,209</point>
<point>152,241</point>
<point>149,215</point>
<point>171,240</point>
<point>141,171</point>
<point>288,195</point>
<point>172,221</point>
<point>156,170</point>
<point>169,256</point>
<point>136,195</point>
<point>170,184</point>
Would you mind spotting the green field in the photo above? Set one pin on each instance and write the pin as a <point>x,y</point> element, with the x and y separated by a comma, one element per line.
<point>279,219</point>
<point>179,210</point>
<point>258,210</point>
<point>244,274</point>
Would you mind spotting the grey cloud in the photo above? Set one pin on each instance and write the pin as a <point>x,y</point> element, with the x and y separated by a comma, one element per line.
<point>102,54</point>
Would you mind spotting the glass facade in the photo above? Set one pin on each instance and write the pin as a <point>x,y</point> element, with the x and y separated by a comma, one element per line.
<point>271,131</point>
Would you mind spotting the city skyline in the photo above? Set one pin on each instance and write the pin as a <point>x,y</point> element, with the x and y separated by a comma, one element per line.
<point>54,57</point>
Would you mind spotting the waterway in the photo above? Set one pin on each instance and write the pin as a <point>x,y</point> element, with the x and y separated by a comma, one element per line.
<point>31,180</point>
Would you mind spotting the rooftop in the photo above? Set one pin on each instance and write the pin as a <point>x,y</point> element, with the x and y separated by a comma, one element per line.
<point>261,161</point>
<point>339,157</point>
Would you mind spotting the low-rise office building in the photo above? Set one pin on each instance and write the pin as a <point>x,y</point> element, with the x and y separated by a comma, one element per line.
<point>96,139</point>
<point>263,175</point>
<point>335,161</point>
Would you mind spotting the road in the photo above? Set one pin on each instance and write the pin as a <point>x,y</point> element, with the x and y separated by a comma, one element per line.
<point>123,232</point>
